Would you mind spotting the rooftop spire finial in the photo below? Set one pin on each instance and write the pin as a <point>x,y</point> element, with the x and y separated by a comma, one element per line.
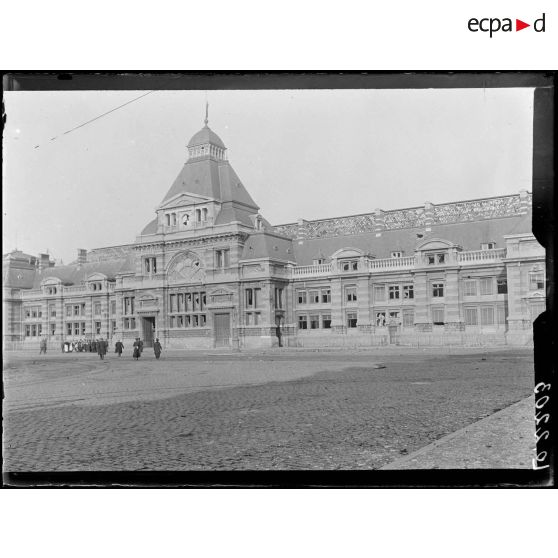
<point>206,113</point>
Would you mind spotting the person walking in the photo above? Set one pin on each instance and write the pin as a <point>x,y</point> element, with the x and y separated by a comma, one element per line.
<point>101,348</point>
<point>43,346</point>
<point>119,347</point>
<point>137,348</point>
<point>140,345</point>
<point>157,348</point>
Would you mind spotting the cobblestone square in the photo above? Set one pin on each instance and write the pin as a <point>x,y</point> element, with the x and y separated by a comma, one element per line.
<point>273,410</point>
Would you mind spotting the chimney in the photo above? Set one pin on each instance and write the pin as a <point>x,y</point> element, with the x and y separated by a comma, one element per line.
<point>82,256</point>
<point>44,261</point>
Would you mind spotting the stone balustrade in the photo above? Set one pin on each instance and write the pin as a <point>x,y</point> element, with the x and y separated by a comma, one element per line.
<point>480,256</point>
<point>395,264</point>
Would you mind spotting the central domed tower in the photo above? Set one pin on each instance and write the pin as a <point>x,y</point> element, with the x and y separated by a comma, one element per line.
<point>206,193</point>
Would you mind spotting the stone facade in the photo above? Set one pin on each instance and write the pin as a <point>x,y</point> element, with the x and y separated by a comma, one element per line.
<point>210,272</point>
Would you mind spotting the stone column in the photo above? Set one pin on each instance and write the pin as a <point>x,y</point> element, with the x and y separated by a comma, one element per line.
<point>518,317</point>
<point>363,300</point>
<point>453,315</point>
<point>422,301</point>
<point>337,305</point>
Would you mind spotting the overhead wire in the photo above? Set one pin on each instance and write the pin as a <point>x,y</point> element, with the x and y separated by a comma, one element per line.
<point>101,116</point>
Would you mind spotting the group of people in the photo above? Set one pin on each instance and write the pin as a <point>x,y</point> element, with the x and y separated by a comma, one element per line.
<point>100,347</point>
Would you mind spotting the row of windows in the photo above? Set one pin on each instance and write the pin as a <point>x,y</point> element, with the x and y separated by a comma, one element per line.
<point>200,216</point>
<point>314,296</point>
<point>252,318</point>
<point>314,321</point>
<point>187,302</point>
<point>484,286</point>
<point>253,297</point>
<point>188,320</point>
<point>485,315</point>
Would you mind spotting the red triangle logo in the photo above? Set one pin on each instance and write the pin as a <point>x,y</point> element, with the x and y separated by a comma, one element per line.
<point>519,25</point>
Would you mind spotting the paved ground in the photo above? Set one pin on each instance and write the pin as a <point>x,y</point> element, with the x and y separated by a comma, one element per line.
<point>274,410</point>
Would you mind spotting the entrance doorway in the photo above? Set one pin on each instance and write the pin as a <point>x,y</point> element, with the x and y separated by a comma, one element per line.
<point>148,331</point>
<point>222,328</point>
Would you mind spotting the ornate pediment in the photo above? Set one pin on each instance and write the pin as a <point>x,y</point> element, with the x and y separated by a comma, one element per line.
<point>182,200</point>
<point>186,267</point>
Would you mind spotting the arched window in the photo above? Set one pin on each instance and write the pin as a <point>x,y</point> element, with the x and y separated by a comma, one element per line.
<point>204,214</point>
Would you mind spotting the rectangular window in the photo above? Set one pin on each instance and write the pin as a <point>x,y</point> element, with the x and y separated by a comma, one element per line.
<point>536,281</point>
<point>27,313</point>
<point>76,328</point>
<point>196,302</point>
<point>257,318</point>
<point>27,331</point>
<point>203,300</point>
<point>172,303</point>
<point>397,254</point>
<point>314,297</point>
<point>408,318</point>
<point>278,298</point>
<point>83,327</point>
<point>171,321</point>
<point>222,259</point>
<point>502,286</point>
<point>326,296</point>
<point>113,326</point>
<point>408,292</point>
<point>314,321</point>
<point>127,323</point>
<point>97,309</point>
<point>470,287</point>
<point>69,328</point>
<point>188,320</point>
<point>501,314</point>
<point>326,321</point>
<point>437,290</point>
<point>485,285</point>
<point>180,302</point>
<point>188,302</point>
<point>52,313</point>
<point>380,319</point>
<point>52,329</point>
<point>350,294</point>
<point>98,328</point>
<point>438,316</point>
<point>76,310</point>
<point>202,320</point>
<point>301,297</point>
<point>487,315</point>
<point>257,297</point>
<point>195,320</point>
<point>34,313</point>
<point>351,319</point>
<point>179,321</point>
<point>471,318</point>
<point>249,298</point>
<point>68,311</point>
<point>379,293</point>
<point>440,258</point>
<point>431,259</point>
<point>302,322</point>
<point>113,307</point>
<point>393,292</point>
<point>394,316</point>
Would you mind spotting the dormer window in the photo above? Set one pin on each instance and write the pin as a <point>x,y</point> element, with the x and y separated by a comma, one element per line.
<point>349,265</point>
<point>436,259</point>
<point>397,254</point>
<point>488,246</point>
<point>318,261</point>
<point>96,286</point>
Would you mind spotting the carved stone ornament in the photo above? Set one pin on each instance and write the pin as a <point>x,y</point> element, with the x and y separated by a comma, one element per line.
<point>186,268</point>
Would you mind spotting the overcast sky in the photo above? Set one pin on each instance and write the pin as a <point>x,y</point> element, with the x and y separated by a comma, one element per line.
<point>303,153</point>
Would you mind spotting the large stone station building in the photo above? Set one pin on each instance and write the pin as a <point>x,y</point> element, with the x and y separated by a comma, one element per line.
<point>209,271</point>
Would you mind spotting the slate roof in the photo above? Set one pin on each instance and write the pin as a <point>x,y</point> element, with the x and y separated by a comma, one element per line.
<point>263,244</point>
<point>469,235</point>
<point>75,274</point>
